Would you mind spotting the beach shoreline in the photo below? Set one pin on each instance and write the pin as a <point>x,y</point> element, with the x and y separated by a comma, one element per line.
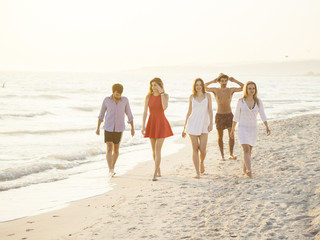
<point>280,202</point>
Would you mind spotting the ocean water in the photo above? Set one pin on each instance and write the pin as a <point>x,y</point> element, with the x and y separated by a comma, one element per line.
<point>50,154</point>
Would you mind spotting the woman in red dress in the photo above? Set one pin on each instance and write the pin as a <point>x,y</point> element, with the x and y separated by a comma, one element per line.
<point>158,127</point>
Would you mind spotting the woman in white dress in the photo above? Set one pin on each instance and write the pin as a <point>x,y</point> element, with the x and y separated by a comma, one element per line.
<point>199,122</point>
<point>246,113</point>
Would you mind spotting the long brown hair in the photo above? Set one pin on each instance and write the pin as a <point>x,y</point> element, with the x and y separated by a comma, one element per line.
<point>194,91</point>
<point>245,92</point>
<point>157,81</point>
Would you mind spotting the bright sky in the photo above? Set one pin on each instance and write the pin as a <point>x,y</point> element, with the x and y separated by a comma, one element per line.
<point>105,35</point>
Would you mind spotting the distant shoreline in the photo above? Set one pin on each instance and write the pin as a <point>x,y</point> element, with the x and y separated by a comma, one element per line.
<point>267,68</point>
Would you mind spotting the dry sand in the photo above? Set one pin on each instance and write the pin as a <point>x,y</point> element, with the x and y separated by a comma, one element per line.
<point>282,201</point>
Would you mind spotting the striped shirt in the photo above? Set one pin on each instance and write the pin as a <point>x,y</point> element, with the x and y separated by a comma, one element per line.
<point>114,118</point>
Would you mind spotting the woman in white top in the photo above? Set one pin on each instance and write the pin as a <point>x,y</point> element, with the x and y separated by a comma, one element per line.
<point>246,113</point>
<point>198,123</point>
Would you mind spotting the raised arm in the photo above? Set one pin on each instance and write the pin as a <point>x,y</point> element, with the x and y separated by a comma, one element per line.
<point>208,83</point>
<point>231,79</point>
<point>145,114</point>
<point>187,117</point>
<point>164,100</point>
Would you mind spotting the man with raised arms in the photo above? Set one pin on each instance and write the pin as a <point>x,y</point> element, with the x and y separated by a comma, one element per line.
<point>224,116</point>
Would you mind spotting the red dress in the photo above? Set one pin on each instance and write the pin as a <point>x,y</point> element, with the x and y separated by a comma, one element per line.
<point>158,125</point>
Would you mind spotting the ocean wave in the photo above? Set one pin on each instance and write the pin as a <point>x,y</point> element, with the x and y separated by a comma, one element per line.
<point>51,96</point>
<point>78,156</point>
<point>178,100</point>
<point>10,174</point>
<point>43,96</point>
<point>84,109</point>
<point>8,185</point>
<point>25,115</point>
<point>48,131</point>
<point>179,123</point>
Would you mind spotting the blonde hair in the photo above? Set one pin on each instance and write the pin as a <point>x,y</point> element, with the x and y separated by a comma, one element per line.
<point>157,81</point>
<point>194,91</point>
<point>255,95</point>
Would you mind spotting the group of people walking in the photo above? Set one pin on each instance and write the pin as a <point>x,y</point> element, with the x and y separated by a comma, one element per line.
<point>198,122</point>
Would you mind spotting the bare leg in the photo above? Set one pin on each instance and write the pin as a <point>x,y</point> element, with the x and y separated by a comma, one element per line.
<point>246,159</point>
<point>220,142</point>
<point>195,153</point>
<point>158,146</point>
<point>231,146</point>
<point>250,150</point>
<point>109,156</point>
<point>250,174</point>
<point>153,145</point>
<point>115,155</point>
<point>203,150</point>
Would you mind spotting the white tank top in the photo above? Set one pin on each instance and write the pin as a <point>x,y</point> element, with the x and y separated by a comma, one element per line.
<point>198,122</point>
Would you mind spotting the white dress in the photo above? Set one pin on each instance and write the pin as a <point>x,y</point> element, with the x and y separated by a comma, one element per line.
<point>198,122</point>
<point>247,120</point>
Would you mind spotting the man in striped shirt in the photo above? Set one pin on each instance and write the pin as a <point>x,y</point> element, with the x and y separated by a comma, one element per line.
<point>113,110</point>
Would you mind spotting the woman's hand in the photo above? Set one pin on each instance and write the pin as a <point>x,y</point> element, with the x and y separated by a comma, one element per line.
<point>98,131</point>
<point>268,131</point>
<point>160,89</point>
<point>143,131</point>
<point>210,127</point>
<point>232,134</point>
<point>183,134</point>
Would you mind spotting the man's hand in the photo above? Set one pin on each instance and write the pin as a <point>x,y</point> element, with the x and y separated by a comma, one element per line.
<point>132,132</point>
<point>98,131</point>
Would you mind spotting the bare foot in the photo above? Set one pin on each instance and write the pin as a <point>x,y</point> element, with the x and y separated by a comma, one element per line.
<point>244,170</point>
<point>249,174</point>
<point>231,157</point>
<point>197,176</point>
<point>159,173</point>
<point>111,173</point>
<point>223,159</point>
<point>154,179</point>
<point>202,168</point>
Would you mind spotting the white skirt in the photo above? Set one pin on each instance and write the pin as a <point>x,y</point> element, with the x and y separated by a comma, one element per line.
<point>248,135</point>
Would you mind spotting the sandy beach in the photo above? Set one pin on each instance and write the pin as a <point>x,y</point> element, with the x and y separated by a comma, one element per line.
<point>281,201</point>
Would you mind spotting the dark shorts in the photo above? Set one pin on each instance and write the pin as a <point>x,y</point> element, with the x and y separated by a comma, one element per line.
<point>224,121</point>
<point>114,137</point>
